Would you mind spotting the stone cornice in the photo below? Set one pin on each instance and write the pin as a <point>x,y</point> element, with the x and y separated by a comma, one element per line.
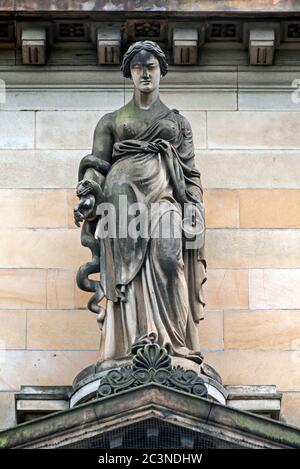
<point>151,400</point>
<point>157,6</point>
<point>199,79</point>
<point>194,33</point>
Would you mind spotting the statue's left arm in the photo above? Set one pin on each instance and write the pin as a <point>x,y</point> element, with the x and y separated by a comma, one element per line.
<point>195,263</point>
<point>187,154</point>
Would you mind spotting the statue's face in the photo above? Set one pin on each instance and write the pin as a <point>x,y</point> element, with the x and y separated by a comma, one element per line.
<point>145,71</point>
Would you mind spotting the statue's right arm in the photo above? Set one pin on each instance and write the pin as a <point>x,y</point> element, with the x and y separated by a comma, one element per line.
<point>102,146</point>
<point>93,169</point>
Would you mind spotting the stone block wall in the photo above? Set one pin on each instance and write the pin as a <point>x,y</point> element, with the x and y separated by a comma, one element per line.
<point>247,139</point>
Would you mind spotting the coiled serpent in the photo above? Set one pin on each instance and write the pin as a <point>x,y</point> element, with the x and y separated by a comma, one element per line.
<point>84,188</point>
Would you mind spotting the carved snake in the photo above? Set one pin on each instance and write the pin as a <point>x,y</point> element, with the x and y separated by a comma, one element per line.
<point>88,240</point>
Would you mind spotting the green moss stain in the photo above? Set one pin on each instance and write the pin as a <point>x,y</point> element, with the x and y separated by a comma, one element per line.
<point>4,439</point>
<point>125,114</point>
<point>267,430</point>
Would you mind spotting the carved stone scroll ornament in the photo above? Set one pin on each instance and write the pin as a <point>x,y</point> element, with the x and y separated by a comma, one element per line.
<point>152,364</point>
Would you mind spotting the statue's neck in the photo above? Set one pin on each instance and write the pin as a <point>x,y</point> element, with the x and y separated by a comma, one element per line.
<point>145,100</point>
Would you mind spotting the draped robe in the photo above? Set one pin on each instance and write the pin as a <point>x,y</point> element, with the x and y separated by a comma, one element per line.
<point>153,285</point>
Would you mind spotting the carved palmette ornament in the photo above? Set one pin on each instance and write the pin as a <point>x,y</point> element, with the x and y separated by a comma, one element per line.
<point>152,364</point>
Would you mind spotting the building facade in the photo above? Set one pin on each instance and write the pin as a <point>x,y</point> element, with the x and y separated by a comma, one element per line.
<point>234,73</point>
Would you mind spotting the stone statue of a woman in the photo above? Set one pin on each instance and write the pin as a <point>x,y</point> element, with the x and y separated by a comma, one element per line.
<point>143,153</point>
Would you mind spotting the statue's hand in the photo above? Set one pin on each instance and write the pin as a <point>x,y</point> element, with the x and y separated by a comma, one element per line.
<point>84,209</point>
<point>163,144</point>
<point>193,222</point>
<point>90,195</point>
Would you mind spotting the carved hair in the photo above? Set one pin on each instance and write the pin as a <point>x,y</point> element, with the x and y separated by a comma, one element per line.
<point>149,46</point>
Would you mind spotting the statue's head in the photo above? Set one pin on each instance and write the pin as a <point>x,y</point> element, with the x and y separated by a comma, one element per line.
<point>144,62</point>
